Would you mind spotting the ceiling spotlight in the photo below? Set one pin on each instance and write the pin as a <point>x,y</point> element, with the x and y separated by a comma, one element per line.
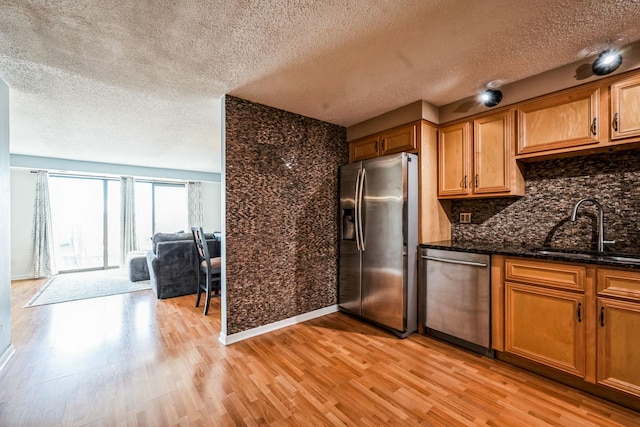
<point>491,97</point>
<point>607,62</point>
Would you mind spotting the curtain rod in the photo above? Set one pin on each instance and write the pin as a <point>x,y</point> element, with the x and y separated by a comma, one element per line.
<point>113,177</point>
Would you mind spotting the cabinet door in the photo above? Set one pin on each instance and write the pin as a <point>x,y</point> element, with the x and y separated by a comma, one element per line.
<point>454,159</point>
<point>625,108</point>
<point>563,121</point>
<point>546,326</point>
<point>492,139</point>
<point>618,345</point>
<point>398,140</point>
<point>362,149</point>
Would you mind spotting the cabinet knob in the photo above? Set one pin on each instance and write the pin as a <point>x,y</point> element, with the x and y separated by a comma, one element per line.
<point>464,182</point>
<point>476,180</point>
<point>594,126</point>
<point>615,122</point>
<point>602,316</point>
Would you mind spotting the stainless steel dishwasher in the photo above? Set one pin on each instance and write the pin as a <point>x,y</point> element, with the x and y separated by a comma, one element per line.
<point>456,303</point>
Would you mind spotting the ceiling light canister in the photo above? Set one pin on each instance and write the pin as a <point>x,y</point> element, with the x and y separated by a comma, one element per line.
<point>491,97</point>
<point>607,62</point>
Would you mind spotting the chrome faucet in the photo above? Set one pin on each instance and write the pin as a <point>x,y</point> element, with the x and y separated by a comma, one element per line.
<point>601,241</point>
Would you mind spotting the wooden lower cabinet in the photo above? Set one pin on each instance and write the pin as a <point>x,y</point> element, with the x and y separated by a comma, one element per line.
<point>618,338</point>
<point>578,319</point>
<point>546,326</point>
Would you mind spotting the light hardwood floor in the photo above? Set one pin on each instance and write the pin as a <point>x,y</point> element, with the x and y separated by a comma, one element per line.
<point>133,360</point>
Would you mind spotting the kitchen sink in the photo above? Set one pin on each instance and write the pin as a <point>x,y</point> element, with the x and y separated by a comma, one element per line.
<point>570,255</point>
<point>563,254</point>
<point>623,259</point>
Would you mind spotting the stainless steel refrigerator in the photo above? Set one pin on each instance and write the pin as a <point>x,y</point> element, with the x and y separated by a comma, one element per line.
<point>378,241</point>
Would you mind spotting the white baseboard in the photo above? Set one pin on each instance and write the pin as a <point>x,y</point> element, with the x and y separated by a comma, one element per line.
<point>250,333</point>
<point>6,356</point>
<point>22,277</point>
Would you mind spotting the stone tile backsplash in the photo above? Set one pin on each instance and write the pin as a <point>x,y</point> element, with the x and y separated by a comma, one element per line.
<point>542,216</point>
<point>281,172</point>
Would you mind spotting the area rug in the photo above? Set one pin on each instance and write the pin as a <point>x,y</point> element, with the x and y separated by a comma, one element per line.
<point>91,284</point>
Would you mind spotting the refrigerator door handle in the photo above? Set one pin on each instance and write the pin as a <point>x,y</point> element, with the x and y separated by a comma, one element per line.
<point>362,180</point>
<point>356,213</point>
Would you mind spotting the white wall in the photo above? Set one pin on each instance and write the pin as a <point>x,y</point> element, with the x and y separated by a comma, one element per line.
<point>5,228</point>
<point>23,189</point>
<point>23,194</point>
<point>211,206</point>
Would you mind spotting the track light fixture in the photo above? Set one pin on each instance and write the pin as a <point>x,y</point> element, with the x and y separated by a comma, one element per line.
<point>491,97</point>
<point>607,62</point>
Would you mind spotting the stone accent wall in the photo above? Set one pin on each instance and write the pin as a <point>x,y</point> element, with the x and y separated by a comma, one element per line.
<point>281,214</point>
<point>542,216</point>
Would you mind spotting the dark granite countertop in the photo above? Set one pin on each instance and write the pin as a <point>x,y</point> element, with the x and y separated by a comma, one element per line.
<point>611,259</point>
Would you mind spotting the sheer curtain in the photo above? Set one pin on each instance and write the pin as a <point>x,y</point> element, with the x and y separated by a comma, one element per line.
<point>43,257</point>
<point>194,200</point>
<point>128,240</point>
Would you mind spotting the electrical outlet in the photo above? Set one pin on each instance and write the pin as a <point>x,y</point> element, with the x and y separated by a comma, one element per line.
<point>465,217</point>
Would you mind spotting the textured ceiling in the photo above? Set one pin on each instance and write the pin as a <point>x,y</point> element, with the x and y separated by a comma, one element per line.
<point>140,82</point>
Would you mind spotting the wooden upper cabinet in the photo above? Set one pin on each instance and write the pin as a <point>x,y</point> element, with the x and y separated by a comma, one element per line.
<point>559,122</point>
<point>625,108</point>
<point>476,159</point>
<point>493,156</point>
<point>398,140</point>
<point>365,148</point>
<point>454,159</point>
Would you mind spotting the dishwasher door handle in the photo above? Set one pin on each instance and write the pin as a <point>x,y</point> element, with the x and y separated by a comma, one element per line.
<point>454,261</point>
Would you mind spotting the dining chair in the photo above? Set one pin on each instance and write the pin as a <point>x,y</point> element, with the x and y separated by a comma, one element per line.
<point>208,269</point>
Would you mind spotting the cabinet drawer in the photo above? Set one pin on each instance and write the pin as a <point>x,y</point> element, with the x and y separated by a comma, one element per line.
<point>557,275</point>
<point>619,283</point>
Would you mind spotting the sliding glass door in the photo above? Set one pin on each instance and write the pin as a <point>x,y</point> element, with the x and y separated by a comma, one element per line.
<point>86,225</point>
<point>86,218</point>
<point>160,207</point>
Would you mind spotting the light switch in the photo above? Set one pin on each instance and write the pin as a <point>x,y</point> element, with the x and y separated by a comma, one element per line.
<point>465,217</point>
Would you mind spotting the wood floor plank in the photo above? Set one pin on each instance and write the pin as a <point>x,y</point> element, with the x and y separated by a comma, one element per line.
<point>133,360</point>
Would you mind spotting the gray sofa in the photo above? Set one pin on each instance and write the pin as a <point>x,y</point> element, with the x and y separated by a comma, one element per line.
<point>173,263</point>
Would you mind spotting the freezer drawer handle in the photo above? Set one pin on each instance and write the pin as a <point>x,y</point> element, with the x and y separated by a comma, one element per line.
<point>454,261</point>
